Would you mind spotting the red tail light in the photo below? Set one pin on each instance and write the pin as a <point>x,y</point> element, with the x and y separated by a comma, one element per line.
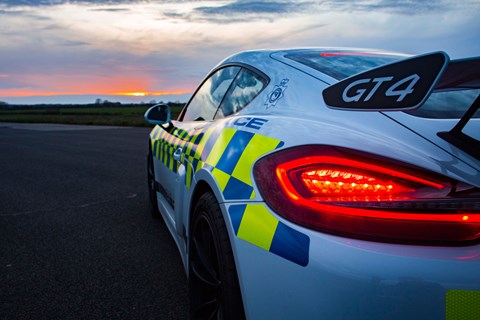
<point>338,191</point>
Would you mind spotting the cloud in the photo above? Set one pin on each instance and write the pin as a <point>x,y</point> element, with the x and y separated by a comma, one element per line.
<point>33,3</point>
<point>111,9</point>
<point>163,45</point>
<point>72,43</point>
<point>404,7</point>
<point>245,11</point>
<point>255,7</point>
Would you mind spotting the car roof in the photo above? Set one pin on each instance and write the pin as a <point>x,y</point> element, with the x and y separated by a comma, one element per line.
<point>261,58</point>
<point>266,53</point>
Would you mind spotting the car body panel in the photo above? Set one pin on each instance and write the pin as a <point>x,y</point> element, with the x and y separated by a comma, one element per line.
<point>287,271</point>
<point>428,128</point>
<point>355,279</point>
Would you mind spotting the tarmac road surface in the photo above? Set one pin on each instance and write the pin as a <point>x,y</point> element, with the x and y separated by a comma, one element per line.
<point>76,239</point>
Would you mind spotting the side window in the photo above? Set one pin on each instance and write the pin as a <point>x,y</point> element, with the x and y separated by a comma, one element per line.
<point>246,87</point>
<point>208,97</point>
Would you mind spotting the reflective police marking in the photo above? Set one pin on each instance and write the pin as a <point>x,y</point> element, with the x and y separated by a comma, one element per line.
<point>256,225</point>
<point>248,122</point>
<point>276,94</point>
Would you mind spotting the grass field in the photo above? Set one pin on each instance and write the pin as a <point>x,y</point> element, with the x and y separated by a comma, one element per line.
<point>129,115</point>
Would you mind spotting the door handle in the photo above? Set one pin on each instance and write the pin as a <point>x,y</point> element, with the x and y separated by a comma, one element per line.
<point>177,155</point>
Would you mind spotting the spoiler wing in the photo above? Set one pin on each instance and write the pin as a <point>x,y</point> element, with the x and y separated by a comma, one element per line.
<point>460,74</point>
<point>401,85</point>
<point>407,84</point>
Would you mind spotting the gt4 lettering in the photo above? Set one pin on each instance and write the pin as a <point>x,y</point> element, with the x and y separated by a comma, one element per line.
<point>401,85</point>
<point>391,91</point>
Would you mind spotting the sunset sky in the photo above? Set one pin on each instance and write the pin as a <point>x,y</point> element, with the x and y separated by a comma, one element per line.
<point>56,51</point>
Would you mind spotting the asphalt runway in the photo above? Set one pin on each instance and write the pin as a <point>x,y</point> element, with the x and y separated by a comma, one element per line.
<point>76,239</point>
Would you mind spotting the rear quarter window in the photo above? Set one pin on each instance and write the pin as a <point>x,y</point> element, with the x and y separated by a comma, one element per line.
<point>343,64</point>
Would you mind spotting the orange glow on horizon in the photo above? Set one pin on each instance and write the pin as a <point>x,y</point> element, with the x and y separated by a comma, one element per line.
<point>21,93</point>
<point>113,85</point>
<point>146,94</point>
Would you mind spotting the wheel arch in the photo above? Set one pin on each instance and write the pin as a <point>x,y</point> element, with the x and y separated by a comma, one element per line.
<point>201,188</point>
<point>204,183</point>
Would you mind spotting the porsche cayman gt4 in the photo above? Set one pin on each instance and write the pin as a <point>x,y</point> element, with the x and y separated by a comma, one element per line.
<point>325,184</point>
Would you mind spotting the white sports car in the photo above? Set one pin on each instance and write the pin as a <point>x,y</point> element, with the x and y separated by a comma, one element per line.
<point>325,184</point>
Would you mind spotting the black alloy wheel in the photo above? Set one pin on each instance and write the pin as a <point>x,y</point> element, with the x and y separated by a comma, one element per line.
<point>213,283</point>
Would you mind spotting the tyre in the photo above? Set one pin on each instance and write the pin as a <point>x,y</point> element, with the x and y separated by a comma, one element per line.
<point>152,194</point>
<point>213,283</point>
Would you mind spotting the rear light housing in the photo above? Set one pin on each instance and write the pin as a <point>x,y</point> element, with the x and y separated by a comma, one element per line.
<point>359,195</point>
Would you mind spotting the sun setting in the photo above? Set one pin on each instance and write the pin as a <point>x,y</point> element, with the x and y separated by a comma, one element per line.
<point>136,49</point>
<point>135,94</point>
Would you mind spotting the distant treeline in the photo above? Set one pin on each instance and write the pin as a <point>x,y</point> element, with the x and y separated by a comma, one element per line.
<point>105,113</point>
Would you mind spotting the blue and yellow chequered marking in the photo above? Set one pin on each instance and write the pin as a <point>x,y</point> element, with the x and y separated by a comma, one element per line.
<point>227,153</point>
<point>164,144</point>
<point>462,305</point>
<point>230,155</point>
<point>256,225</point>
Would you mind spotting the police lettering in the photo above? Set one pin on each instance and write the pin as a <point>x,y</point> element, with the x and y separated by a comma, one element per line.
<point>253,123</point>
<point>356,90</point>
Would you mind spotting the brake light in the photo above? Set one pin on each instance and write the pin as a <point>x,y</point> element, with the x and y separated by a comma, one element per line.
<point>338,191</point>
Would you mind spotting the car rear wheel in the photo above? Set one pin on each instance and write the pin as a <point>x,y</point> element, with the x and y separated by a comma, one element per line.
<point>152,194</point>
<point>213,283</point>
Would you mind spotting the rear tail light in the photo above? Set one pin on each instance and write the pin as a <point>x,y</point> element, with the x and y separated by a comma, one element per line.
<point>339,191</point>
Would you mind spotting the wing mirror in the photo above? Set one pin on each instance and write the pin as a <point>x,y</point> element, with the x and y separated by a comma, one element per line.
<point>158,114</point>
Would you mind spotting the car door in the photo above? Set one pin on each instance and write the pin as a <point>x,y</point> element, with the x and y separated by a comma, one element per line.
<point>169,142</point>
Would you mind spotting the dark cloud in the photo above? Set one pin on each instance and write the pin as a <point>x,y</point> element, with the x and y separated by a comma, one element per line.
<point>73,43</point>
<point>14,3</point>
<point>410,7</point>
<point>245,11</point>
<point>32,3</point>
<point>174,15</point>
<point>236,9</point>
<point>111,9</point>
<point>255,7</point>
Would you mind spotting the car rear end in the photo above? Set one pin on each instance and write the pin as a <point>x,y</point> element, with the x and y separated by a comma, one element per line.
<point>393,222</point>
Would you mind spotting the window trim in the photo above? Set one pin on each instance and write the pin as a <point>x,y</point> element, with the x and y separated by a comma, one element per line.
<point>231,90</point>
<point>231,64</point>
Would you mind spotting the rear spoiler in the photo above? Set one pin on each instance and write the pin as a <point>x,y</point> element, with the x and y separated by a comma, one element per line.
<point>406,85</point>
<point>460,74</point>
<point>403,85</point>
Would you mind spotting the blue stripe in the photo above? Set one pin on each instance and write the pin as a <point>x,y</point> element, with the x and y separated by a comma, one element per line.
<point>198,138</point>
<point>154,149</point>
<point>236,189</point>
<point>233,151</point>
<point>194,164</point>
<point>236,215</point>
<point>291,244</point>
<point>196,141</point>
